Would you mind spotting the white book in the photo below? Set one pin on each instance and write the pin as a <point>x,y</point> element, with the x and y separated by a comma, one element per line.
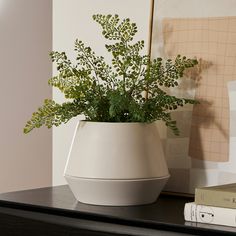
<point>210,214</point>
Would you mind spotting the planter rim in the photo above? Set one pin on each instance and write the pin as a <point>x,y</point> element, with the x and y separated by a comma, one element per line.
<point>105,122</point>
<point>117,180</point>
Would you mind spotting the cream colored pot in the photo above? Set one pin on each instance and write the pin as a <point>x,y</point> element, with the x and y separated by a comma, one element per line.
<point>116,163</point>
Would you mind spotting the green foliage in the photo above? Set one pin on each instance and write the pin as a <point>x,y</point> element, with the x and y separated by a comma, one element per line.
<point>113,93</point>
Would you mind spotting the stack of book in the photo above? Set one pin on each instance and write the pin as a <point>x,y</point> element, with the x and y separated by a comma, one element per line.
<point>213,205</point>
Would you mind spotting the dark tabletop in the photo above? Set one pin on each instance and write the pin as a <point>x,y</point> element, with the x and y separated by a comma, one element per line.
<point>165,214</point>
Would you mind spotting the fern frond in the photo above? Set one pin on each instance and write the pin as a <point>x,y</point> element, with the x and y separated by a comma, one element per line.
<point>44,116</point>
<point>52,113</point>
<point>113,92</point>
<point>125,31</point>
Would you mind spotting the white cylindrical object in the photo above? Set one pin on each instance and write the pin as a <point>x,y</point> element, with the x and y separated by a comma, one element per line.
<point>116,157</point>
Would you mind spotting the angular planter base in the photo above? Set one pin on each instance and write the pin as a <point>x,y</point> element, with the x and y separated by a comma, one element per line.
<point>114,192</point>
<point>116,164</point>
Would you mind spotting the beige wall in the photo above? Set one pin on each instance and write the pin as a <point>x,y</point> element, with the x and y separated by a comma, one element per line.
<point>25,41</point>
<point>72,19</point>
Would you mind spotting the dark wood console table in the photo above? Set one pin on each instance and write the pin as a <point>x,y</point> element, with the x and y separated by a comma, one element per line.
<point>55,212</point>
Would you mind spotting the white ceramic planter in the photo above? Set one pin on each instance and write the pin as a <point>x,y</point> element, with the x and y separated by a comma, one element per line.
<point>116,163</point>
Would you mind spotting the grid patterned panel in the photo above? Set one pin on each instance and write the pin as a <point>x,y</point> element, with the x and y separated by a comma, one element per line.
<point>213,40</point>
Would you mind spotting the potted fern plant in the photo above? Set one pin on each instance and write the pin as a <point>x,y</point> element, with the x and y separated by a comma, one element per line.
<point>116,156</point>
